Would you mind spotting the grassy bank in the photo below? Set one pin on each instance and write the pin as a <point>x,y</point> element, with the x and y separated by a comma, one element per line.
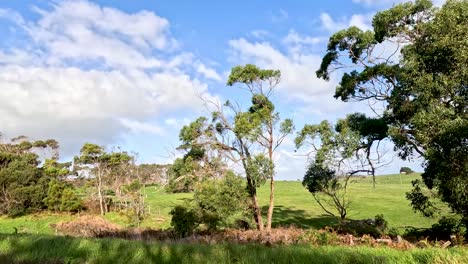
<point>55,249</point>
<point>294,205</point>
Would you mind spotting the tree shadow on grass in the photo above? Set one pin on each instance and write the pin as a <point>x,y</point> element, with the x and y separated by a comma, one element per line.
<point>28,248</point>
<point>284,216</point>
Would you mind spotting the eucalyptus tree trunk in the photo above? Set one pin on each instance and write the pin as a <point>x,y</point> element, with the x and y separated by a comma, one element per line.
<point>272,179</point>
<point>257,213</point>
<point>99,189</point>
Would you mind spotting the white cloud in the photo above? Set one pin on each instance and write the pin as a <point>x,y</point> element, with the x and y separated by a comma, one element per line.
<point>312,97</point>
<point>142,127</point>
<point>259,33</point>
<point>93,73</point>
<point>177,122</point>
<point>298,79</point>
<point>289,165</point>
<point>361,21</point>
<point>298,43</point>
<point>209,73</point>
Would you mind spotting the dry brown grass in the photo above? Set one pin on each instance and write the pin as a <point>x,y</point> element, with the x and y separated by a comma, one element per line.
<point>95,226</point>
<point>92,226</point>
<point>86,226</point>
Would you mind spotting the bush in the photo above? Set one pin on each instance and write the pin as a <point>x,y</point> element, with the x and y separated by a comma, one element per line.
<point>23,184</point>
<point>442,230</point>
<point>61,197</point>
<point>221,202</point>
<point>406,170</point>
<point>184,220</point>
<point>376,227</point>
<point>216,204</point>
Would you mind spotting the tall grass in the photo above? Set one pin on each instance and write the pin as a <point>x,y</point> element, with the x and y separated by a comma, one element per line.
<point>55,249</point>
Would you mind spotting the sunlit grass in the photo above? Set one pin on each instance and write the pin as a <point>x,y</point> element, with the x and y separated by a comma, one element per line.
<point>294,205</point>
<point>56,249</point>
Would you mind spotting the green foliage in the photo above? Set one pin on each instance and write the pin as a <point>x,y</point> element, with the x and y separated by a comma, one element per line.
<point>376,227</point>
<point>216,204</point>
<point>181,176</point>
<point>184,220</point>
<point>106,168</point>
<point>70,201</point>
<point>327,189</point>
<point>339,141</point>
<point>23,186</point>
<point>260,168</point>
<point>243,135</point>
<point>442,230</point>
<point>249,74</point>
<point>293,207</point>
<point>61,197</point>
<point>201,159</point>
<point>420,202</point>
<point>59,249</point>
<point>221,202</point>
<point>135,209</point>
<point>319,179</point>
<point>54,195</point>
<point>23,183</point>
<point>445,227</point>
<point>424,90</point>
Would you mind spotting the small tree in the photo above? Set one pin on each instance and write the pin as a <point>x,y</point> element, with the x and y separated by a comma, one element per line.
<point>100,164</point>
<point>221,202</point>
<point>321,182</point>
<point>338,153</point>
<point>246,137</point>
<point>217,203</point>
<point>134,202</point>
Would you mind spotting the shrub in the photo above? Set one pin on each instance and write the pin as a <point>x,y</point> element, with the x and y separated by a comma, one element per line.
<point>406,170</point>
<point>442,230</point>
<point>70,201</point>
<point>184,220</point>
<point>221,202</point>
<point>61,197</point>
<point>376,227</point>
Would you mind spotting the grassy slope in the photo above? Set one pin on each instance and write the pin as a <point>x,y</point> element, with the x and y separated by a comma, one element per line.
<point>53,249</point>
<point>294,205</point>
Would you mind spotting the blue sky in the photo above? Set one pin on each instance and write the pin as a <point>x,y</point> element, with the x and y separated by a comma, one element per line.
<point>130,73</point>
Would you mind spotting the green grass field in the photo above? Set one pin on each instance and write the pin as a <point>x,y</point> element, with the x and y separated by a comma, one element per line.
<point>56,249</point>
<point>294,205</point>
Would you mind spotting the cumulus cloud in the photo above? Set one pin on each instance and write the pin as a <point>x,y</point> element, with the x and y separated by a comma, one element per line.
<point>209,73</point>
<point>298,80</point>
<point>93,73</point>
<point>361,21</point>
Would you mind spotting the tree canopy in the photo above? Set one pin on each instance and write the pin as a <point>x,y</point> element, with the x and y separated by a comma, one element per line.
<point>421,86</point>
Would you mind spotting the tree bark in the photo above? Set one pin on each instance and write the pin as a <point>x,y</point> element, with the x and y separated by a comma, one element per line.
<point>272,180</point>
<point>272,204</point>
<point>99,187</point>
<point>257,213</point>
